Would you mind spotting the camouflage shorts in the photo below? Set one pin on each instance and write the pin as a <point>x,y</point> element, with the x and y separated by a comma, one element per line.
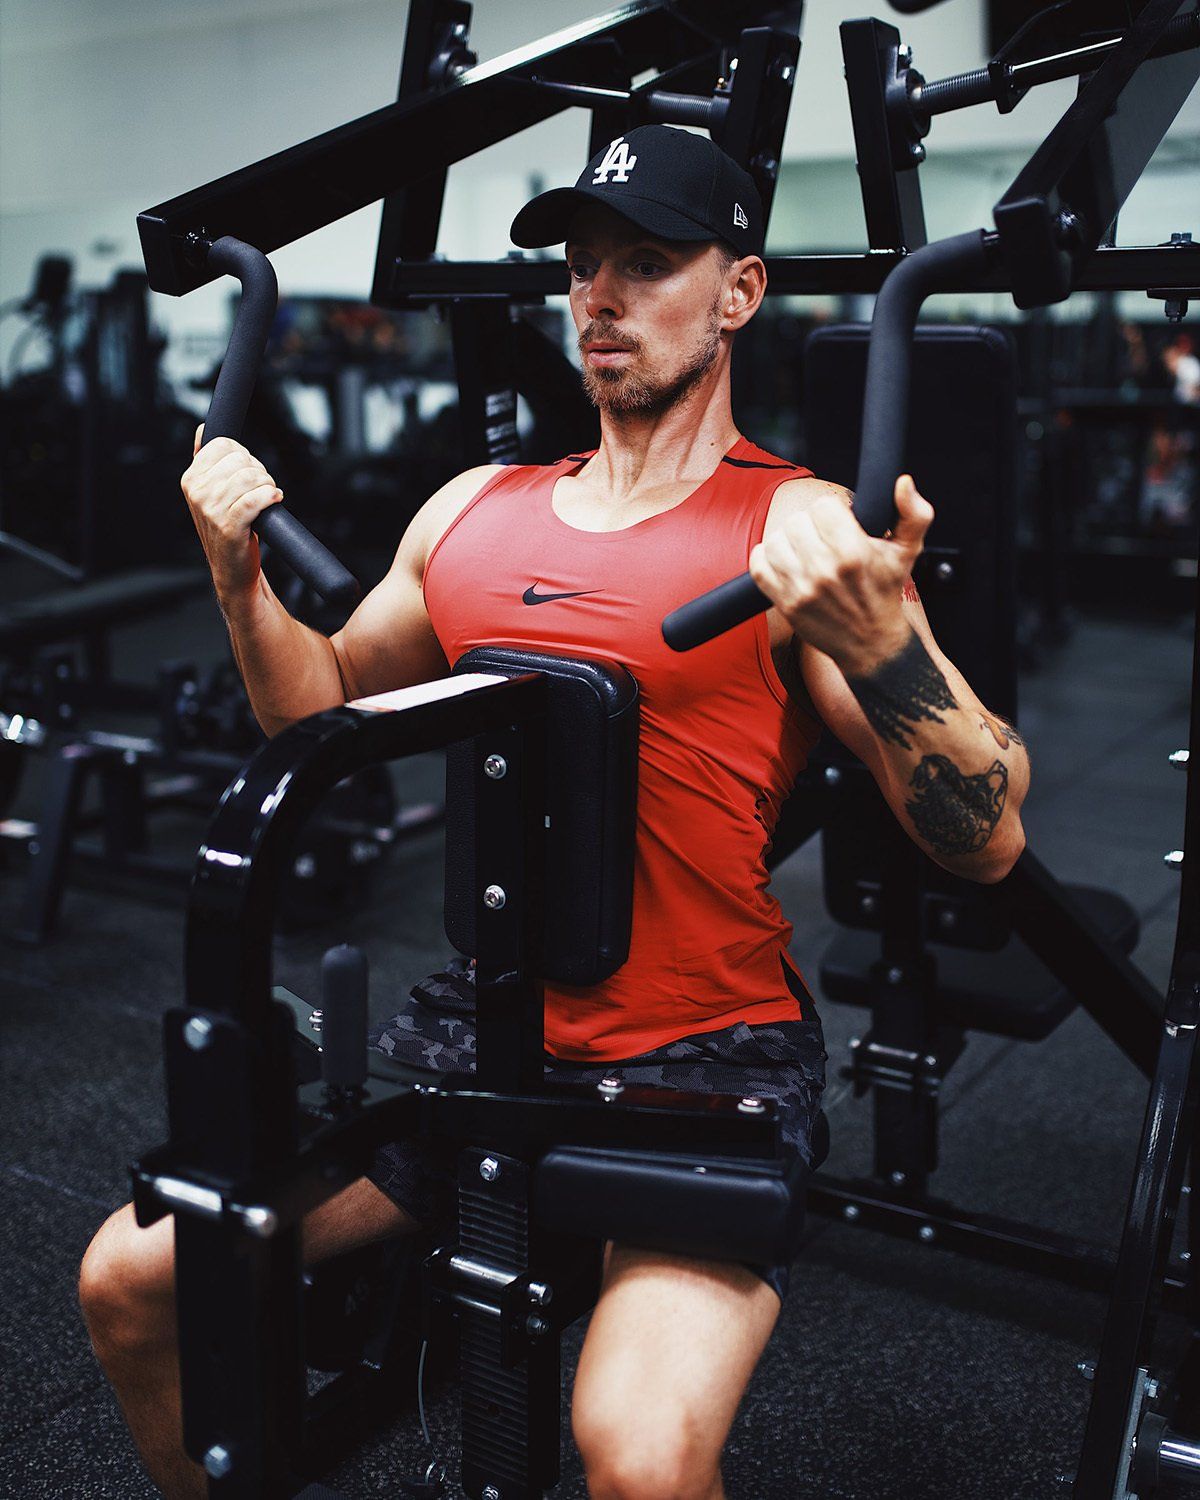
<point>784,1061</point>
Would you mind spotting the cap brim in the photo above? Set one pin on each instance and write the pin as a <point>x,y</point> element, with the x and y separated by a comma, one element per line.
<point>546,219</point>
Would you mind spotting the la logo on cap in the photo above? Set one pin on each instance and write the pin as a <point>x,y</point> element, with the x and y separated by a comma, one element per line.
<point>617,162</point>
<point>739,217</point>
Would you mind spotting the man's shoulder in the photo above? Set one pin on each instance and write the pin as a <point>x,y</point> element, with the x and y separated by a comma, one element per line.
<point>805,490</point>
<point>443,508</point>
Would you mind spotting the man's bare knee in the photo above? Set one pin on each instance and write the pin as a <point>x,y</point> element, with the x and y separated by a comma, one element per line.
<point>640,1460</point>
<point>129,1272</point>
<point>127,1283</point>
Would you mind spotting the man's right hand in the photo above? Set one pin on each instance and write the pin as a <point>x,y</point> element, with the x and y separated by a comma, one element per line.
<point>226,489</point>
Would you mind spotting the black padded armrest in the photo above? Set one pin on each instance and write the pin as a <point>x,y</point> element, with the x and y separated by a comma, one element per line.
<point>592,723</point>
<point>719,1208</point>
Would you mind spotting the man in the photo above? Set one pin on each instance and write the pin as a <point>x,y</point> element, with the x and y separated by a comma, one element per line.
<point>663,234</point>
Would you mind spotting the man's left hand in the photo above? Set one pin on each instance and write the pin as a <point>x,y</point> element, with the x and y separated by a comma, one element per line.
<point>838,587</point>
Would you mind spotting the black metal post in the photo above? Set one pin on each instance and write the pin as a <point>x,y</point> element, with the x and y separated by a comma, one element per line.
<point>887,160</point>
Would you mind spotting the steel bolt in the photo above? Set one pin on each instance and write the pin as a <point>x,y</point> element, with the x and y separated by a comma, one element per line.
<point>611,1085</point>
<point>945,572</point>
<point>927,1233</point>
<point>197,1033</point>
<point>490,1492</point>
<point>832,775</point>
<point>752,1106</point>
<point>494,897</point>
<point>1087,1368</point>
<point>899,1179</point>
<point>868,905</point>
<point>851,1212</point>
<point>496,767</point>
<point>895,976</point>
<point>261,1221</point>
<point>305,867</point>
<point>930,1060</point>
<point>536,1327</point>
<point>489,1169</point>
<point>540,1293</point>
<point>217,1462</point>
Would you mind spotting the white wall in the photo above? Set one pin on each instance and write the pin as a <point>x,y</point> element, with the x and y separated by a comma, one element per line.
<point>110,106</point>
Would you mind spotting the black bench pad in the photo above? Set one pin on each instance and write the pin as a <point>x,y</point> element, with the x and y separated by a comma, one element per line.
<point>64,613</point>
<point>718,1208</point>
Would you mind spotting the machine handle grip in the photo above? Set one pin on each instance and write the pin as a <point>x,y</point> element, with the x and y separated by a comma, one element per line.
<point>344,1017</point>
<point>308,558</point>
<point>711,614</point>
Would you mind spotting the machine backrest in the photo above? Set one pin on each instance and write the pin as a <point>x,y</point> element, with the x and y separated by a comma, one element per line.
<point>591,805</point>
<point>961,452</point>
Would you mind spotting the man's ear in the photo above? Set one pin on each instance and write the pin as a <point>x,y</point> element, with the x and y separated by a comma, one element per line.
<point>744,290</point>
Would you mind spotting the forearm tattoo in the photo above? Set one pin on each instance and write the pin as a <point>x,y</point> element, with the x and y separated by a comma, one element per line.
<point>902,692</point>
<point>953,813</point>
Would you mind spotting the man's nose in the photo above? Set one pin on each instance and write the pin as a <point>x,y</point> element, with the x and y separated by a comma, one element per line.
<point>604,295</point>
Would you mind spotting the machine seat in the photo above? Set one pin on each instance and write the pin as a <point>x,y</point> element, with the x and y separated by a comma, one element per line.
<point>1009,993</point>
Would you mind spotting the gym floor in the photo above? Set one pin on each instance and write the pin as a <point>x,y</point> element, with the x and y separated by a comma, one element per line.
<point>896,1371</point>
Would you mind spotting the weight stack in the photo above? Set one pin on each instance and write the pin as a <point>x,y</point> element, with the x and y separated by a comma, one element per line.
<point>510,1406</point>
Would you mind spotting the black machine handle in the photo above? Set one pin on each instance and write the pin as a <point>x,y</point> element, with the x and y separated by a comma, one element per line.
<point>935,267</point>
<point>308,558</point>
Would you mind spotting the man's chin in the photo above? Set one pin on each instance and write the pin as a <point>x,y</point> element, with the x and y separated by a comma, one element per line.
<point>611,390</point>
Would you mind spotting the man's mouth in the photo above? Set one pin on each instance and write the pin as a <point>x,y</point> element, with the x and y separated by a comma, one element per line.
<point>602,353</point>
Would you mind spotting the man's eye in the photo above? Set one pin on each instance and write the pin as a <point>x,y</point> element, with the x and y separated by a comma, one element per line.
<point>580,270</point>
<point>648,268</point>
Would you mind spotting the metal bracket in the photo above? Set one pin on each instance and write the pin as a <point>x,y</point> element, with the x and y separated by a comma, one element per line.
<point>875,1065</point>
<point>1176,298</point>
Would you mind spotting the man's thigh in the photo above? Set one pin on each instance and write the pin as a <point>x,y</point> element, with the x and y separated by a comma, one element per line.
<point>671,1347</point>
<point>358,1215</point>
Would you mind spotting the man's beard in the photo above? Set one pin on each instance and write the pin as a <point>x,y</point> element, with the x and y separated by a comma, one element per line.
<point>623,392</point>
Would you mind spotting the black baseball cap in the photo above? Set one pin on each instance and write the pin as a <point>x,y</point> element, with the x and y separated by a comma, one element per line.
<point>671,183</point>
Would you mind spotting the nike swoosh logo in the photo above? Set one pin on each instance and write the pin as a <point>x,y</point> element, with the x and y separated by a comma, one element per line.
<point>531,596</point>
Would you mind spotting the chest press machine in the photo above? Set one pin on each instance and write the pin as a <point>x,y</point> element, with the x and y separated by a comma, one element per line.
<point>251,1147</point>
<point>544,1176</point>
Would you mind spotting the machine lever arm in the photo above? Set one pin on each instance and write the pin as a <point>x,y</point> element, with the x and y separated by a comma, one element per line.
<point>310,559</point>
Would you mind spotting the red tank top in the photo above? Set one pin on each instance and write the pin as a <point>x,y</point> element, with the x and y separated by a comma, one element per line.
<point>721,742</point>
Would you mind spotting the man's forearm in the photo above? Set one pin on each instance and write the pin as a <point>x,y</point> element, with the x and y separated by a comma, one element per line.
<point>289,670</point>
<point>959,775</point>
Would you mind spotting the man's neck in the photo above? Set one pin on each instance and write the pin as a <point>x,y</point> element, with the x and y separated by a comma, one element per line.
<point>641,454</point>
